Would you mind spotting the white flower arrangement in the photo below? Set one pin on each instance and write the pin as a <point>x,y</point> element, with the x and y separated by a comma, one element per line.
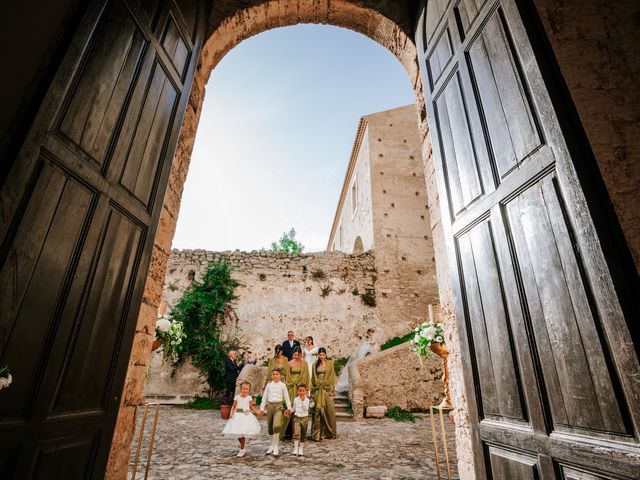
<point>171,333</point>
<point>424,336</point>
<point>5,377</point>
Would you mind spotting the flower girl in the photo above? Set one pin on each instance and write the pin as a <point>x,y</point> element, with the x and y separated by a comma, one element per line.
<point>242,423</point>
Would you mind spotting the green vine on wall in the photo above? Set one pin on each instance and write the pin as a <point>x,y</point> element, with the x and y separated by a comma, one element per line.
<point>204,309</point>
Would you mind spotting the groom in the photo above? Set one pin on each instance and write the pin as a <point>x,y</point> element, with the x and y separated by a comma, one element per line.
<point>289,344</point>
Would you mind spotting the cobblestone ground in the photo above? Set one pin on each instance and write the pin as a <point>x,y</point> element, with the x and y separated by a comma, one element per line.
<point>188,445</point>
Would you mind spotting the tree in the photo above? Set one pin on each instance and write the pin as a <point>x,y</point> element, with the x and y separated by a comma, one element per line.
<point>204,309</point>
<point>287,243</point>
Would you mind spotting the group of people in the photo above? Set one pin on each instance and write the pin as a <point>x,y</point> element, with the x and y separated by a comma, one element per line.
<point>301,378</point>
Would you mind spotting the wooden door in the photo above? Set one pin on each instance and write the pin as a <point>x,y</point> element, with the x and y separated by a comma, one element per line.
<point>551,371</point>
<point>79,212</point>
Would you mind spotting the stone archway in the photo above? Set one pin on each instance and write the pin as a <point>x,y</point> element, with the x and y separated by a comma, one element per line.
<point>228,25</point>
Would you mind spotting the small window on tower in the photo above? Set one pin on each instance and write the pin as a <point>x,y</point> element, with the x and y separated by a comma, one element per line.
<point>354,198</point>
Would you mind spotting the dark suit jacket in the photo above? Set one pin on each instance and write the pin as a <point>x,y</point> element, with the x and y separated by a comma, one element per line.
<point>231,371</point>
<point>287,350</point>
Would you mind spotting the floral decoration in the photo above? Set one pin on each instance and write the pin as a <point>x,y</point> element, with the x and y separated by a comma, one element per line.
<point>5,377</point>
<point>171,333</point>
<point>424,336</point>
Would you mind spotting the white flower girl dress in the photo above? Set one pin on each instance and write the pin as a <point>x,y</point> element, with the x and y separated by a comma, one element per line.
<point>243,423</point>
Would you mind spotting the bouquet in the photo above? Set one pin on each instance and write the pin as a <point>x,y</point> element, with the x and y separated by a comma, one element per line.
<point>5,377</point>
<point>424,336</point>
<point>171,334</point>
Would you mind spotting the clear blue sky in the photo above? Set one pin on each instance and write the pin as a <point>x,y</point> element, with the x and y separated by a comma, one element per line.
<point>278,123</point>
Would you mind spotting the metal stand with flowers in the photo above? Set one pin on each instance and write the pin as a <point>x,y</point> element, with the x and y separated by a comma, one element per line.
<point>169,335</point>
<point>5,377</point>
<point>429,337</point>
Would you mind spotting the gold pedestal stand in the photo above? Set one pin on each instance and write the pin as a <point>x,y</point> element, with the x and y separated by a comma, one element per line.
<point>440,411</point>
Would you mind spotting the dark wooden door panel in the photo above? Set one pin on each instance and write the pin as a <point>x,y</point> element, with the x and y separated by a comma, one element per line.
<point>459,151</point>
<point>69,457</point>
<point>93,107</point>
<point>34,279</point>
<point>513,466</point>
<point>566,330</point>
<point>549,363</point>
<point>511,126</point>
<point>79,214</point>
<point>495,360</point>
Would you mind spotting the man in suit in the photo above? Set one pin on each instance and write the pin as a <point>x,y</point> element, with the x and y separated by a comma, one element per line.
<point>232,370</point>
<point>288,344</point>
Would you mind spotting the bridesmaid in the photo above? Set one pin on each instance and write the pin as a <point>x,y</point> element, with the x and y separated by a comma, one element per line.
<point>298,373</point>
<point>278,361</point>
<point>323,389</point>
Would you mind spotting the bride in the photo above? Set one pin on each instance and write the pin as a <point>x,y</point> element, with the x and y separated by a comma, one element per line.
<point>369,345</point>
<point>309,352</point>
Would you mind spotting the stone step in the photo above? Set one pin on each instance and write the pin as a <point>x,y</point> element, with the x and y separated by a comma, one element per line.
<point>343,416</point>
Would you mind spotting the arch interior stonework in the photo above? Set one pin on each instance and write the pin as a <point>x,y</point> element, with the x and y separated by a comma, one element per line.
<point>388,25</point>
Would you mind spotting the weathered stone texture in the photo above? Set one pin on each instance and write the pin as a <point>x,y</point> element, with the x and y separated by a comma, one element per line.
<point>277,293</point>
<point>390,214</point>
<point>597,52</point>
<point>397,377</point>
<point>166,386</point>
<point>255,375</point>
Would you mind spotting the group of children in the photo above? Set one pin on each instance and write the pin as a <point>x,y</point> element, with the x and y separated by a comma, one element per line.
<point>243,424</point>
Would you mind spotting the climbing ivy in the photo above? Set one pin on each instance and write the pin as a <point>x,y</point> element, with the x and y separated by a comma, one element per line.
<point>204,309</point>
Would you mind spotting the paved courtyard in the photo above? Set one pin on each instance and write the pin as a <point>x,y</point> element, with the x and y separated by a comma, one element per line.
<point>188,445</point>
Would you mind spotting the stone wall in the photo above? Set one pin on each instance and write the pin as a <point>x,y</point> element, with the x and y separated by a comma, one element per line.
<point>166,386</point>
<point>397,377</point>
<point>278,292</point>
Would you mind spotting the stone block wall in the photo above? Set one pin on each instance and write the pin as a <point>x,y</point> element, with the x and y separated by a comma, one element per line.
<point>279,292</point>
<point>397,377</point>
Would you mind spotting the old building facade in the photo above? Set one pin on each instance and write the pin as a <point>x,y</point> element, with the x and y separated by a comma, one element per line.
<point>383,206</point>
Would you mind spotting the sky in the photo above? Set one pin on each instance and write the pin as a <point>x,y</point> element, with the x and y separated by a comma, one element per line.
<point>278,123</point>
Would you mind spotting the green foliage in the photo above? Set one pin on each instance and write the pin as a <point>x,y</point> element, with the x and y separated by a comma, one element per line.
<point>400,415</point>
<point>326,290</point>
<point>392,342</point>
<point>369,298</point>
<point>287,243</point>
<point>355,292</point>
<point>203,310</point>
<point>339,364</point>
<point>202,403</point>
<point>318,274</point>
<point>258,399</point>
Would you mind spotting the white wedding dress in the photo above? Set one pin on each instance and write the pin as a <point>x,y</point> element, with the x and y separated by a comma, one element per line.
<point>310,356</point>
<point>368,346</point>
